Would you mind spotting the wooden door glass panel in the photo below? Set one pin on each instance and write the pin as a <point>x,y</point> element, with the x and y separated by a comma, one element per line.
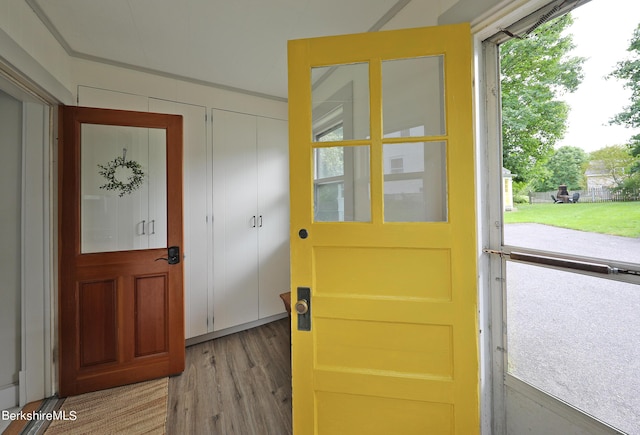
<point>413,96</point>
<point>342,184</point>
<point>415,182</point>
<point>123,188</point>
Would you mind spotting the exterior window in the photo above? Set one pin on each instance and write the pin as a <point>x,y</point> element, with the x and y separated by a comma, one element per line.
<point>341,173</point>
<point>329,178</point>
<point>334,134</point>
<point>341,184</point>
<point>397,165</point>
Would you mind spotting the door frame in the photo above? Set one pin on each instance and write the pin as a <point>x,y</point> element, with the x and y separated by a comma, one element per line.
<point>491,268</point>
<point>491,307</point>
<point>27,80</point>
<point>36,378</point>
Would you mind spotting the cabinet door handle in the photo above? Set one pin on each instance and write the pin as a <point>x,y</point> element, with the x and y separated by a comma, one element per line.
<point>153,226</point>
<point>143,225</point>
<point>260,221</point>
<point>253,221</point>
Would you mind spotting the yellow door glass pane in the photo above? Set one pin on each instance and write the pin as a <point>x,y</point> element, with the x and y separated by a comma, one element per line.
<point>340,99</point>
<point>415,182</point>
<point>341,184</point>
<point>413,96</point>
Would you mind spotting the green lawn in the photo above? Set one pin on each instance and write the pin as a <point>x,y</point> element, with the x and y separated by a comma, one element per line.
<point>617,218</point>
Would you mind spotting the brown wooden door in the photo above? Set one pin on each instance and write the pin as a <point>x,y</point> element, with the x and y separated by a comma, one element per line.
<point>121,316</point>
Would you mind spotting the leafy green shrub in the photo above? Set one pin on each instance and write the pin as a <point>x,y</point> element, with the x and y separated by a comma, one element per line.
<point>629,188</point>
<point>520,199</point>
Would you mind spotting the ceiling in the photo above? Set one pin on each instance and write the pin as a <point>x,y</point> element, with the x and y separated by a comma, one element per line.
<point>237,44</point>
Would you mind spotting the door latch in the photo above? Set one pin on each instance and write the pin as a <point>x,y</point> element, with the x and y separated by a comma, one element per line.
<point>173,255</point>
<point>303,309</point>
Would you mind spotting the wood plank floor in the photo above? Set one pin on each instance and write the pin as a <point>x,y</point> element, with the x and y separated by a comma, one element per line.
<point>238,384</point>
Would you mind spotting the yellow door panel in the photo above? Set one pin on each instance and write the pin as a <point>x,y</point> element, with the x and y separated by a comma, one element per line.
<point>373,415</point>
<point>423,274</point>
<point>386,349</point>
<point>383,233</point>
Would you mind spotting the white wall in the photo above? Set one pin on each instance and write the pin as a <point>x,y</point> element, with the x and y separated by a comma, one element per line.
<point>28,47</point>
<point>419,13</point>
<point>37,54</point>
<point>93,74</point>
<point>18,20</point>
<point>19,25</point>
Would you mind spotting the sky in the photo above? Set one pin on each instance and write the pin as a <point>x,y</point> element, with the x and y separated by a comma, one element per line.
<point>601,31</point>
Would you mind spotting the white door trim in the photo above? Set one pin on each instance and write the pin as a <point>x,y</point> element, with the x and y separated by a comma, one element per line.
<point>36,378</point>
<point>489,206</point>
<point>36,362</point>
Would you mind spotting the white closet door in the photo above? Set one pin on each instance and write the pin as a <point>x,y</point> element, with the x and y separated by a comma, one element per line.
<point>196,194</point>
<point>235,253</point>
<point>273,208</point>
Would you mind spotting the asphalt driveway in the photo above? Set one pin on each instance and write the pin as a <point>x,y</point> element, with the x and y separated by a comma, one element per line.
<point>575,336</point>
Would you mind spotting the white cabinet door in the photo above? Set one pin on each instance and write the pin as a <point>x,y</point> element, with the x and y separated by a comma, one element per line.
<point>251,217</point>
<point>235,254</point>
<point>196,229</point>
<point>273,209</point>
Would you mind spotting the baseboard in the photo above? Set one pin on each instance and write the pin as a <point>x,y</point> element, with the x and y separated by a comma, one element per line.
<point>228,331</point>
<point>9,397</point>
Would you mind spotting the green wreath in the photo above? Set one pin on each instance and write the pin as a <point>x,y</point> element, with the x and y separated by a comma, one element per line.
<point>133,181</point>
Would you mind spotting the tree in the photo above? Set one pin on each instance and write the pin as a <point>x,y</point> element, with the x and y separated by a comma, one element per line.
<point>536,71</point>
<point>615,161</point>
<point>629,72</point>
<point>566,166</point>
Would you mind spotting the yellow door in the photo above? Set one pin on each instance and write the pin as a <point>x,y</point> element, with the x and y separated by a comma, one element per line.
<point>384,336</point>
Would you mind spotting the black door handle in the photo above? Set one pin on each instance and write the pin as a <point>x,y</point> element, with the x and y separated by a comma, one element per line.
<point>173,255</point>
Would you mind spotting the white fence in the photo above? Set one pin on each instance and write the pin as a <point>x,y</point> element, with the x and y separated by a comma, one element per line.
<point>600,194</point>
